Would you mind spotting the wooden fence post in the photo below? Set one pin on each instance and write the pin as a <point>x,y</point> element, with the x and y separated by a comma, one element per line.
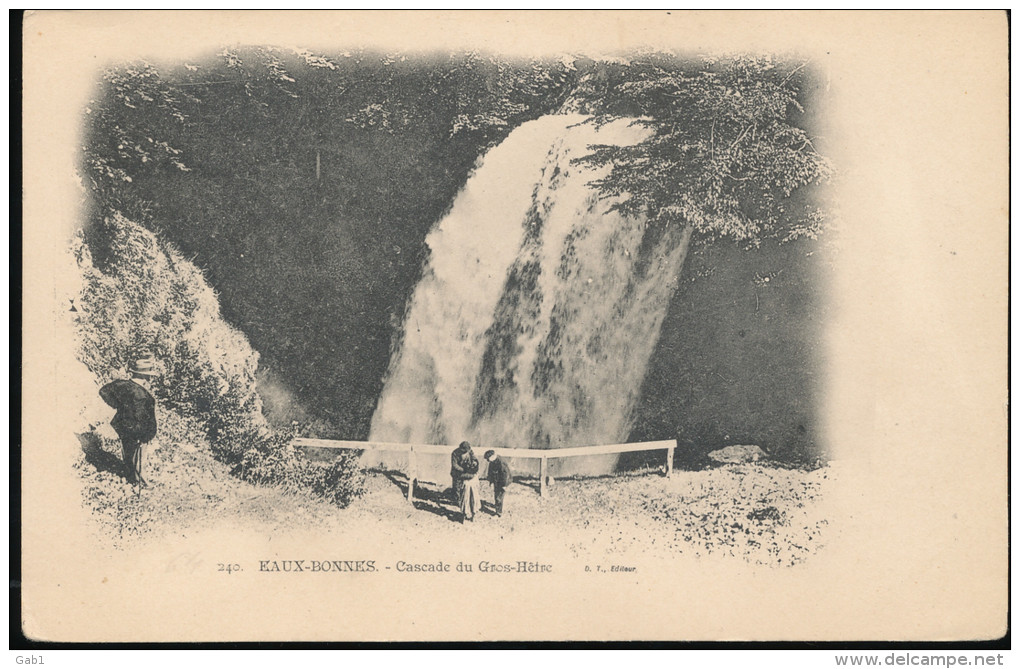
<point>412,473</point>
<point>542,455</point>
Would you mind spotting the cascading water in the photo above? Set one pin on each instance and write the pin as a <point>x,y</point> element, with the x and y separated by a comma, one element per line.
<point>538,310</point>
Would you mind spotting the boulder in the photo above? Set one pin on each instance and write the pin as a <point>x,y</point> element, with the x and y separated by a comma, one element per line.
<point>737,454</point>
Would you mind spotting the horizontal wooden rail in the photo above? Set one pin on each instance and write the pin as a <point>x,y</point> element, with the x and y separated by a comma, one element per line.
<point>543,454</point>
<point>574,451</point>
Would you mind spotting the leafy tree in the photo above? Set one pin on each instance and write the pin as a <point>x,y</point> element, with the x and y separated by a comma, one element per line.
<point>470,94</point>
<point>728,170</point>
<point>132,127</point>
<point>724,153</point>
<point>304,184</point>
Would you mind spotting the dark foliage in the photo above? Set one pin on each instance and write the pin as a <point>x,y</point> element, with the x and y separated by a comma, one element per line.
<point>304,185</point>
<point>146,297</point>
<point>726,149</point>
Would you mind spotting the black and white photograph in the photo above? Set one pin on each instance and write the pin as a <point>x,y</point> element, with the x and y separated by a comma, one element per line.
<point>514,326</point>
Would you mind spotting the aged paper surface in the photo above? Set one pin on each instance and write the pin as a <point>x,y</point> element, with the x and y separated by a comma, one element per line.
<point>916,403</point>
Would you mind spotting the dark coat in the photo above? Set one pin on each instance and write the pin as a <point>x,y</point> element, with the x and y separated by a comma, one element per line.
<point>136,410</point>
<point>463,464</point>
<point>499,473</point>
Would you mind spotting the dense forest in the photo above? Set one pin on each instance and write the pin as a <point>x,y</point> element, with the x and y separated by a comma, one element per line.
<point>303,186</point>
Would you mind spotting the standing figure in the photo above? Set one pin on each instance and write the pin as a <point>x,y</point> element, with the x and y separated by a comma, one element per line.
<point>135,421</point>
<point>500,476</point>
<point>464,472</point>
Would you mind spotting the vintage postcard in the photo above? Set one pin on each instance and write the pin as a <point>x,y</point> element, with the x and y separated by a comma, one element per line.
<point>514,326</point>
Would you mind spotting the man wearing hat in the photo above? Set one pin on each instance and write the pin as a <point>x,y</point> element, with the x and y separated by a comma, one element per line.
<point>500,476</point>
<point>135,421</point>
<point>464,472</point>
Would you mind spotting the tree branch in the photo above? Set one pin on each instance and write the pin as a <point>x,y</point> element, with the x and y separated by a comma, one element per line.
<point>741,136</point>
<point>802,66</point>
<point>210,83</point>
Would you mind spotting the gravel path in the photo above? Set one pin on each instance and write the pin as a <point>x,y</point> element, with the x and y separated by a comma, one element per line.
<point>764,515</point>
<point>755,513</point>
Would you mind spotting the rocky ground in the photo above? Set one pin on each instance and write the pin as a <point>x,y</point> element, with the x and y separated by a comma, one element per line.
<point>755,512</point>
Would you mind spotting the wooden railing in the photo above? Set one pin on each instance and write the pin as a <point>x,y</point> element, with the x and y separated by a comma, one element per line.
<point>544,455</point>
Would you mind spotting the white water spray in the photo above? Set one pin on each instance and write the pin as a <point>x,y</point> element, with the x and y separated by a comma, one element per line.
<point>538,310</point>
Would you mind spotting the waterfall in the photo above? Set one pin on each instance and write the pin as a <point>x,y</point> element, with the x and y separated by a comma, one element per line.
<point>538,309</point>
